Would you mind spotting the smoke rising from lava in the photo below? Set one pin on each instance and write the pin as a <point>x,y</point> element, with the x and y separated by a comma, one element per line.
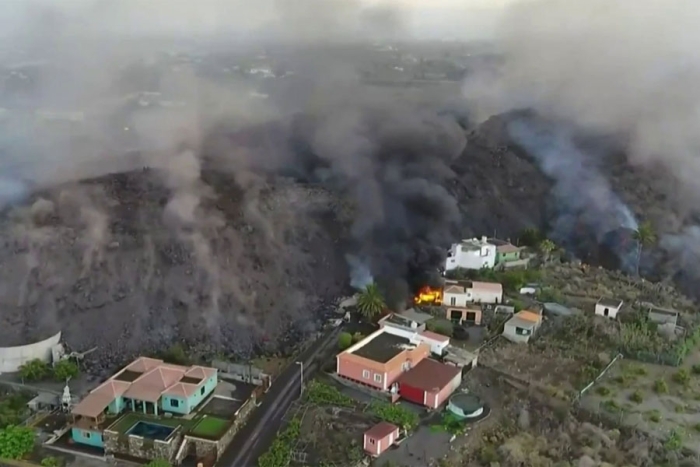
<point>213,239</point>
<point>596,64</point>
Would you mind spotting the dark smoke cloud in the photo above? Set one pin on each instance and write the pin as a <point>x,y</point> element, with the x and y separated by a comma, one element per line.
<point>205,242</point>
<point>391,160</point>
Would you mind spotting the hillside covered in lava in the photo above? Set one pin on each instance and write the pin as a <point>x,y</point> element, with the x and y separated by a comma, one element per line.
<point>236,250</point>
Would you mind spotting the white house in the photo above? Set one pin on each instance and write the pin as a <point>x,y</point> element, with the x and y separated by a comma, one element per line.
<point>462,293</point>
<point>522,326</point>
<point>608,307</point>
<point>474,253</point>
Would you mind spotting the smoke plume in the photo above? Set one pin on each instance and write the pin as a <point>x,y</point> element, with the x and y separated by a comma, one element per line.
<point>192,198</point>
<point>596,64</point>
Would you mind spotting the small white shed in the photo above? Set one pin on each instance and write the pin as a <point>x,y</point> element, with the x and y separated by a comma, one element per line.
<point>608,307</point>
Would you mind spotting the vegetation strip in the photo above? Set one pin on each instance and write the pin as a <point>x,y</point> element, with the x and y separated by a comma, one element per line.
<point>280,453</point>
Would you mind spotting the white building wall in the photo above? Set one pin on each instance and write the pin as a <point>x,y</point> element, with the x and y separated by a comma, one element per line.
<point>11,358</point>
<point>471,259</point>
<point>600,310</point>
<point>471,296</point>
<point>510,334</point>
<point>481,296</point>
<point>436,347</point>
<point>460,299</point>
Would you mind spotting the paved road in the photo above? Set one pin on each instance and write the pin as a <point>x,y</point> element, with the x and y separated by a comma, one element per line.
<point>260,430</point>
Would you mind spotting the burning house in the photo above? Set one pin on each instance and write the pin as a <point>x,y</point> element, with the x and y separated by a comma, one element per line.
<point>428,296</point>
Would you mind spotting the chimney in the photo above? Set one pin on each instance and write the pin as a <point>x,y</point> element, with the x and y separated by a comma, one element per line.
<point>483,239</point>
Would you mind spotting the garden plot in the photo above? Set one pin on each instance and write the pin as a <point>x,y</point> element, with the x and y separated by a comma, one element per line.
<point>332,436</point>
<point>661,400</point>
<point>565,355</point>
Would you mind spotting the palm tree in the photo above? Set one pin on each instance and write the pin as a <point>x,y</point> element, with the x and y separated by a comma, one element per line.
<point>645,236</point>
<point>370,302</point>
<point>546,247</point>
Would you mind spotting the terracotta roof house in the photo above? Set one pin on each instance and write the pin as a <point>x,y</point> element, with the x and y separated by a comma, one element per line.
<point>146,385</point>
<point>379,438</point>
<point>462,293</point>
<point>522,326</point>
<point>379,359</point>
<point>430,383</point>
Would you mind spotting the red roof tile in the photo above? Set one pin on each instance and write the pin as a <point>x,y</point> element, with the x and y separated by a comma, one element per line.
<point>381,430</point>
<point>429,375</point>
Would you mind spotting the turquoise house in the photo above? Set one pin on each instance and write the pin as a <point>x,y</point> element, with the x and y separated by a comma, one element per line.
<point>147,386</point>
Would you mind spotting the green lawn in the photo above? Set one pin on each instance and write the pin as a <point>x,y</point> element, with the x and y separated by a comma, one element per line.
<point>210,427</point>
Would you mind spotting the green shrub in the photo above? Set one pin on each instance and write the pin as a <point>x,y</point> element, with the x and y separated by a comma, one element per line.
<point>16,442</point>
<point>325,394</point>
<point>675,440</point>
<point>344,340</point>
<point>655,416</point>
<point>51,461</point>
<point>396,414</point>
<point>34,370</point>
<point>158,463</point>
<point>682,377</point>
<point>65,369</point>
<point>637,397</point>
<point>696,369</point>
<point>176,355</point>
<point>660,386</point>
<point>603,391</point>
<point>357,337</point>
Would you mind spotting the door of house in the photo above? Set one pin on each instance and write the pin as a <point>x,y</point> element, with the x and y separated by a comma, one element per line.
<point>605,312</point>
<point>455,315</point>
<point>471,317</point>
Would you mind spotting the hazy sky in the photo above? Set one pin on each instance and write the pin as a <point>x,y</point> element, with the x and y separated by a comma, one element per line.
<point>422,18</point>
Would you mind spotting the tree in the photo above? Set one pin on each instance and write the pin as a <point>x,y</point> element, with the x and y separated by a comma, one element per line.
<point>16,442</point>
<point>645,236</point>
<point>344,340</point>
<point>370,302</point>
<point>34,370</point>
<point>65,369</point>
<point>546,247</point>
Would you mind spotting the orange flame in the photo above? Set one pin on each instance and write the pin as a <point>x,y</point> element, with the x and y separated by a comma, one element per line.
<point>428,296</point>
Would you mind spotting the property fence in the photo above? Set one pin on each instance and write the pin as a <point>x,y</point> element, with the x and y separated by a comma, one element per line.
<point>673,357</point>
<point>600,375</point>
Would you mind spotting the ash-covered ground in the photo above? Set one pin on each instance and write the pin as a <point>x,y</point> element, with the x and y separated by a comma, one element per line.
<point>98,261</point>
<point>114,262</point>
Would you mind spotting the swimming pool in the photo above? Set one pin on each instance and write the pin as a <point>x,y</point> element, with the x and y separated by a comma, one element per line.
<point>151,430</point>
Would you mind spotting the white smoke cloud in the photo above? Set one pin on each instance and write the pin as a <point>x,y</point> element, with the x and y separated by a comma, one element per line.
<point>628,67</point>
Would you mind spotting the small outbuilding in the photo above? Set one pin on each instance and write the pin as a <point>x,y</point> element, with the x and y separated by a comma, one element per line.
<point>379,438</point>
<point>522,326</point>
<point>608,307</point>
<point>429,383</point>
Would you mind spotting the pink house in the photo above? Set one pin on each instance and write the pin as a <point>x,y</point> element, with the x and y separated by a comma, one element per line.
<point>379,438</point>
<point>380,359</point>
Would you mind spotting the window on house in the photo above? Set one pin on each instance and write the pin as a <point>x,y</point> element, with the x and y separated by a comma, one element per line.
<point>371,441</point>
<point>377,378</point>
<point>365,374</point>
<point>406,366</point>
<point>522,331</point>
<point>87,434</point>
<point>453,301</point>
<point>201,391</point>
<point>174,403</point>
